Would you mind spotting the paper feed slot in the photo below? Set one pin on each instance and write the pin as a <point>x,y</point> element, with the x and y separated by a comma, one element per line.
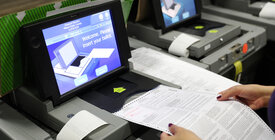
<point>180,45</point>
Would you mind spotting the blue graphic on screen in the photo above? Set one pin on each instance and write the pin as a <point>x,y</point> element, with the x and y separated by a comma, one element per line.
<point>82,50</point>
<point>175,11</point>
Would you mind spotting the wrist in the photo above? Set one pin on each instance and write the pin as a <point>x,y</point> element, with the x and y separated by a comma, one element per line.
<point>270,90</point>
<point>266,90</point>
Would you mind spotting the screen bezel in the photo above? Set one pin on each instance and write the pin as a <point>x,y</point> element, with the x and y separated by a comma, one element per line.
<point>47,81</point>
<point>160,19</point>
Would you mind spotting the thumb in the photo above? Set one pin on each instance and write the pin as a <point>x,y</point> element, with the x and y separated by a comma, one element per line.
<point>231,92</point>
<point>174,129</point>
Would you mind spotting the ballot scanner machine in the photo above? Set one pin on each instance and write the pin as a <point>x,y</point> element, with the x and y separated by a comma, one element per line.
<point>221,42</point>
<point>240,10</point>
<point>250,6</point>
<point>231,9</point>
<point>79,61</point>
<point>54,110</point>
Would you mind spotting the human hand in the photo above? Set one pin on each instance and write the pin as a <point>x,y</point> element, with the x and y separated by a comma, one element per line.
<point>255,96</point>
<point>179,133</point>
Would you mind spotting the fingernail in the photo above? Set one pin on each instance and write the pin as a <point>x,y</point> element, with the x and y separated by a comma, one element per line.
<point>170,124</point>
<point>219,96</point>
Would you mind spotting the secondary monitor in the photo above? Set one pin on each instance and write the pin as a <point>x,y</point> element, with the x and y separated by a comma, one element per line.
<point>171,13</point>
<point>78,49</point>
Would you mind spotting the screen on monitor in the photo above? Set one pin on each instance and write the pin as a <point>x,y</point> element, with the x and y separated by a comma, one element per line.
<point>168,3</point>
<point>82,50</point>
<point>176,11</point>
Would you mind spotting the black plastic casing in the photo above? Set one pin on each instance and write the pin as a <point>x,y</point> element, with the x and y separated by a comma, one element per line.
<point>38,69</point>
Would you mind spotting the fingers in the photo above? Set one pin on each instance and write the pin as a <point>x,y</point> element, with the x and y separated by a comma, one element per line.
<point>174,129</point>
<point>179,133</point>
<point>254,107</point>
<point>164,136</point>
<point>231,92</point>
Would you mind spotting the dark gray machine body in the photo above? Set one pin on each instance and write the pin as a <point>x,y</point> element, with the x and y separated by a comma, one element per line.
<point>146,32</point>
<point>227,44</point>
<point>242,10</point>
<point>56,117</point>
<point>242,5</point>
<point>253,36</point>
<point>14,125</point>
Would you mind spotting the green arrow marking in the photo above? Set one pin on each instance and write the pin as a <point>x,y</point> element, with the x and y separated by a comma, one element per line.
<point>119,90</point>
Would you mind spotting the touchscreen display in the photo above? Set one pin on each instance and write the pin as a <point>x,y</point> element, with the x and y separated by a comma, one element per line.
<point>175,11</point>
<point>82,50</point>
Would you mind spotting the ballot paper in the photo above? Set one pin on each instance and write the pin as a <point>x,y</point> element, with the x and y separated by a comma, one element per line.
<point>79,126</point>
<point>268,11</point>
<point>180,45</point>
<point>176,71</point>
<point>199,112</point>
